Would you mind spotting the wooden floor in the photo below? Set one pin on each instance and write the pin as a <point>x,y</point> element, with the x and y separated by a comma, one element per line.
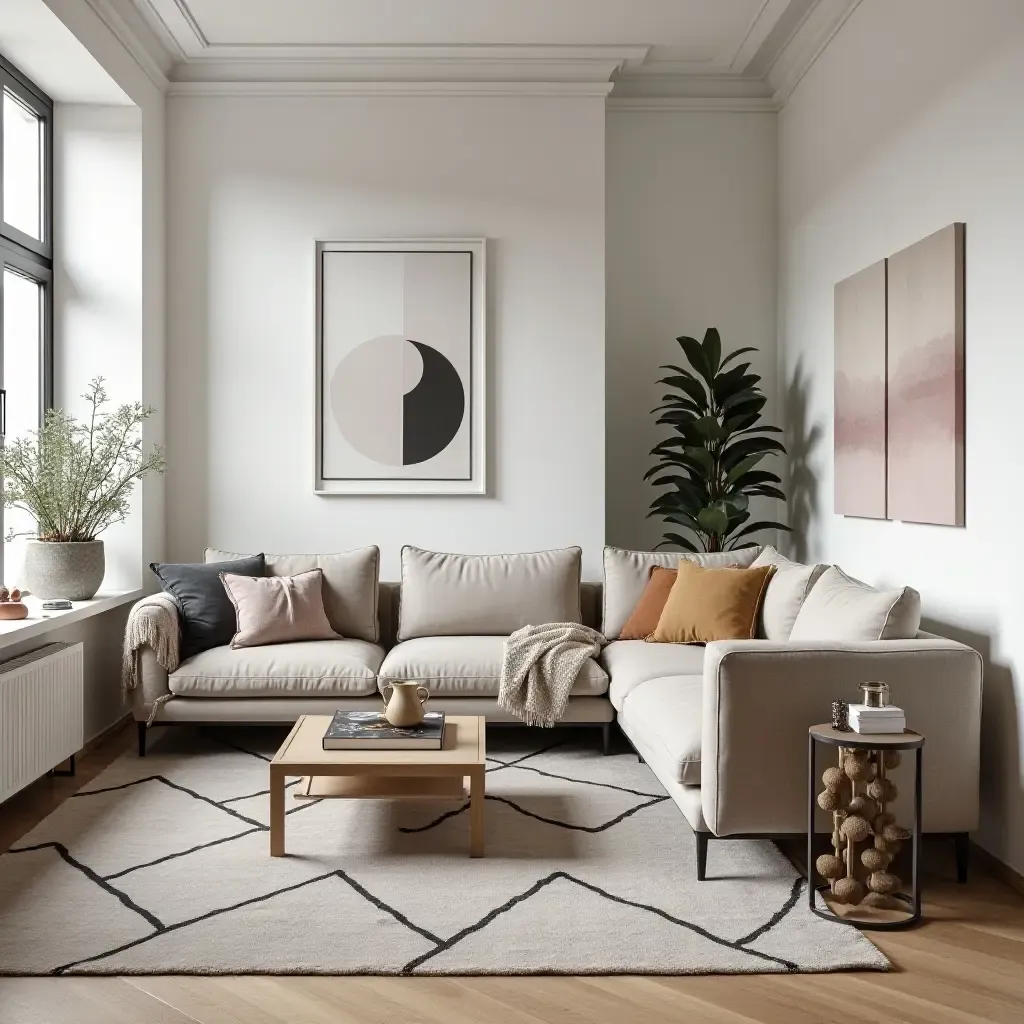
<point>965,964</point>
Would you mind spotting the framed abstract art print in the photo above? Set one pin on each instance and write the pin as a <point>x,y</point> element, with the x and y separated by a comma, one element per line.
<point>400,367</point>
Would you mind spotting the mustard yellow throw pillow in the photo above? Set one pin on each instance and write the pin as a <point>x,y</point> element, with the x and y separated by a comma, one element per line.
<point>712,604</point>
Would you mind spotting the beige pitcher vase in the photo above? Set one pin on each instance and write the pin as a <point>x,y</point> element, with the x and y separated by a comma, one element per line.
<point>404,707</point>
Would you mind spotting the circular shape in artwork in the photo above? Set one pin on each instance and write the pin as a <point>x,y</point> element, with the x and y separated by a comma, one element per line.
<point>398,402</point>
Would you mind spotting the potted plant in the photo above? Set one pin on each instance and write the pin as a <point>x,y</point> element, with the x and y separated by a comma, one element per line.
<point>710,462</point>
<point>75,479</point>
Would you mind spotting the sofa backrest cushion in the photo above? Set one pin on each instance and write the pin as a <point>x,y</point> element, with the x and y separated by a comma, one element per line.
<point>787,590</point>
<point>842,608</point>
<point>486,595</point>
<point>626,574</point>
<point>350,586</point>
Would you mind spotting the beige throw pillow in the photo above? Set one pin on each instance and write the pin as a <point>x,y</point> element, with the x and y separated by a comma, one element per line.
<point>787,590</point>
<point>842,608</point>
<point>278,609</point>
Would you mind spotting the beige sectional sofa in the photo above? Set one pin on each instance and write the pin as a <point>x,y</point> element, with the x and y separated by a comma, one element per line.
<point>723,727</point>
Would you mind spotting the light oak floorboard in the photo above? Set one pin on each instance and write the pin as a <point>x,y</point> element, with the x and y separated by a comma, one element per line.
<point>965,965</point>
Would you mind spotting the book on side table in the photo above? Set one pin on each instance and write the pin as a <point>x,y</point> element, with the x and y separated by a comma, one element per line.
<point>370,730</point>
<point>887,719</point>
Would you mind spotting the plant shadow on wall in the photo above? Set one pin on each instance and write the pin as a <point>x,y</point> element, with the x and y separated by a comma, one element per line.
<point>75,479</point>
<point>710,462</point>
<point>804,438</point>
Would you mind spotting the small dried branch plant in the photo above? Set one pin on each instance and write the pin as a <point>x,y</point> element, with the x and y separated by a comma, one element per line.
<point>75,478</point>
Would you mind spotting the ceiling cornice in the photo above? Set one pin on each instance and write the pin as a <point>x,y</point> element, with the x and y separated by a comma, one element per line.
<point>381,89</point>
<point>759,74</point>
<point>692,104</point>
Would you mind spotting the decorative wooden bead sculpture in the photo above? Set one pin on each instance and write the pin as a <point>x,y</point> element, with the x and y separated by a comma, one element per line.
<point>857,817</point>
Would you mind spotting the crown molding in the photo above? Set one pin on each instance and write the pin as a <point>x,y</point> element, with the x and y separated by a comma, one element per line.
<point>692,104</point>
<point>817,29</point>
<point>384,89</point>
<point>154,61</point>
<point>782,42</point>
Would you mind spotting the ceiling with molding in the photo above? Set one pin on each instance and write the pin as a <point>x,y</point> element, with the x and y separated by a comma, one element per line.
<point>741,52</point>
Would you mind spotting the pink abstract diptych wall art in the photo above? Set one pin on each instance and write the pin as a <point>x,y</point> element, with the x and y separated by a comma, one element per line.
<point>860,436</point>
<point>899,385</point>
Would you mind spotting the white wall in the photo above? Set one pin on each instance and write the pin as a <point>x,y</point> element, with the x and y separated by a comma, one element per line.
<point>252,182</point>
<point>691,201</point>
<point>908,121</point>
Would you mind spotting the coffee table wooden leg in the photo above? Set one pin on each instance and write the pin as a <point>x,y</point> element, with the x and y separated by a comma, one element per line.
<point>276,813</point>
<point>476,814</point>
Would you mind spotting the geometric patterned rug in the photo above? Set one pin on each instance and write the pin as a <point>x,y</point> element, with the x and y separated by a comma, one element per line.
<point>160,865</point>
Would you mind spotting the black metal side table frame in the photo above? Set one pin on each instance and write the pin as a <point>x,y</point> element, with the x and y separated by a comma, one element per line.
<point>865,741</point>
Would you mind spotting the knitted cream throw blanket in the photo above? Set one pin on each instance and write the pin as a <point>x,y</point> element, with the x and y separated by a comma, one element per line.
<point>152,622</point>
<point>540,666</point>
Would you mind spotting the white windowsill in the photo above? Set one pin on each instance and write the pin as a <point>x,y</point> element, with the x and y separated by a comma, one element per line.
<point>39,623</point>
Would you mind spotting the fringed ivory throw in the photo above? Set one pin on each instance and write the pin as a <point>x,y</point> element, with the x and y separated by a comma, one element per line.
<point>153,622</point>
<point>539,667</point>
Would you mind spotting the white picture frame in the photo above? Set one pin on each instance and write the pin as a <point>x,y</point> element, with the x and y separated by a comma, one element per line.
<point>363,408</point>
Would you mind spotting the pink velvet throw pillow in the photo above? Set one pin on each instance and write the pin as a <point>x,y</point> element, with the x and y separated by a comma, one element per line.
<point>278,609</point>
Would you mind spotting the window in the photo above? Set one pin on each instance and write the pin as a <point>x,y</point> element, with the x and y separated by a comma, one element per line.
<point>26,263</point>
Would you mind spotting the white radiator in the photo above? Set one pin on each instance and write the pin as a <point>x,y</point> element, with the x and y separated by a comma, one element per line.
<point>40,713</point>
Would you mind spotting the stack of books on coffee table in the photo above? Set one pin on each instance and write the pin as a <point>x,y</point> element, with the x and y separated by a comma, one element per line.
<point>370,730</point>
<point>888,719</point>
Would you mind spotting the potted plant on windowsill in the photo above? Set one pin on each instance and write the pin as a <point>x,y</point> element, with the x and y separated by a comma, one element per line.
<point>75,479</point>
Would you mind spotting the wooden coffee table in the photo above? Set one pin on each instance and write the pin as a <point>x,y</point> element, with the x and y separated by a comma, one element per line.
<point>382,774</point>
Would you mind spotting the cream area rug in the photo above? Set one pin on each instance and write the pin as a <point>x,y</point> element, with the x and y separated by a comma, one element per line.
<point>161,865</point>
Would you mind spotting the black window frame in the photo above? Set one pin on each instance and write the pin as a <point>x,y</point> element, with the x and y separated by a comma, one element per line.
<point>20,251</point>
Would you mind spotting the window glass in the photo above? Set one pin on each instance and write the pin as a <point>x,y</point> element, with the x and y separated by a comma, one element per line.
<point>23,323</point>
<point>23,167</point>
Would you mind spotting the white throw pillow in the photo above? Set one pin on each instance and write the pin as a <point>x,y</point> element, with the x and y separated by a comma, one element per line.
<point>787,590</point>
<point>486,595</point>
<point>842,608</point>
<point>626,574</point>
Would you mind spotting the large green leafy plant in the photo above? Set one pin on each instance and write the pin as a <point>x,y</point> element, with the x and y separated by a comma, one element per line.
<point>710,462</point>
<point>75,479</point>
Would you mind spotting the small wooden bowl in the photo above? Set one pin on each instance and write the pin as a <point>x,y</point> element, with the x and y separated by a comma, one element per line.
<point>13,610</point>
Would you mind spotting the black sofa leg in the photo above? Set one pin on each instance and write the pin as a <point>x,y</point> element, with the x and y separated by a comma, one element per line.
<point>606,738</point>
<point>141,729</point>
<point>962,841</point>
<point>702,855</point>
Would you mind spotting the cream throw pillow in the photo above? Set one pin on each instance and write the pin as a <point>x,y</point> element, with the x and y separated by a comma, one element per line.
<point>787,590</point>
<point>278,609</point>
<point>842,608</point>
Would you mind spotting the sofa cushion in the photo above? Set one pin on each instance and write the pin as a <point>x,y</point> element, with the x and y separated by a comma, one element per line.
<point>350,586</point>
<point>667,713</point>
<point>494,595</point>
<point>787,589</point>
<point>626,574</point>
<point>468,666</point>
<point>312,668</point>
<point>632,662</point>
<point>842,608</point>
<point>278,609</point>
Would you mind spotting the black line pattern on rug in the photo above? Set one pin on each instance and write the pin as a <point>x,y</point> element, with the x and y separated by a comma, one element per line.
<point>523,757</point>
<point>440,944</point>
<point>259,792</point>
<point>173,785</point>
<point>215,738</point>
<point>569,778</point>
<point>539,817</point>
<point>492,915</point>
<point>794,895</point>
<point>164,930</point>
<point>121,897</point>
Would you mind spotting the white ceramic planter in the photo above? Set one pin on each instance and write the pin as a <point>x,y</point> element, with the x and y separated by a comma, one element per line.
<point>70,570</point>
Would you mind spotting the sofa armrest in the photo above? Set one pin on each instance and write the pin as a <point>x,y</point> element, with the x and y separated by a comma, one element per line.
<point>760,698</point>
<point>152,684</point>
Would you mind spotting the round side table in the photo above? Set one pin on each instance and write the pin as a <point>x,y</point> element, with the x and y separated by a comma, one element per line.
<point>878,743</point>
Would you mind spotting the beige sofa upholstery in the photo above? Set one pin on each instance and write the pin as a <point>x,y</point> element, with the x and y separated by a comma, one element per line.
<point>723,727</point>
